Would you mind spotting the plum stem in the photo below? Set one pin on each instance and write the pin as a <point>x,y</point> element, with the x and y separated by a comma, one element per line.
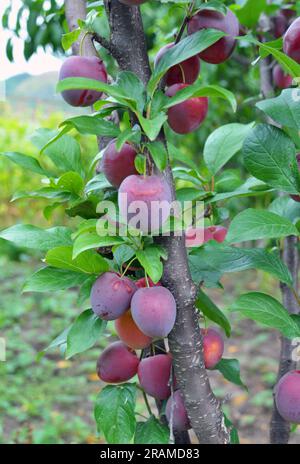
<point>185,21</point>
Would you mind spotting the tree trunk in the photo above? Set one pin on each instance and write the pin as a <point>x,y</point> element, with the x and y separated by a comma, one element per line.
<point>128,46</point>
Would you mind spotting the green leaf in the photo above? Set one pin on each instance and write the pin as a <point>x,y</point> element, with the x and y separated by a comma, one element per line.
<point>186,48</point>
<point>196,90</point>
<point>266,310</point>
<point>252,187</point>
<point>151,432</point>
<point>128,89</point>
<point>230,369</point>
<point>212,312</point>
<point>114,413</point>
<point>69,38</point>
<point>150,259</point>
<point>234,435</point>
<point>64,152</point>
<point>88,261</point>
<point>211,261</point>
<point>51,279</point>
<point>177,154</point>
<point>140,163</point>
<point>98,182</point>
<point>159,154</point>
<point>286,207</point>
<point>249,13</point>
<point>91,240</point>
<point>270,155</point>
<point>50,193</point>
<point>26,162</point>
<point>71,182</point>
<point>123,253</point>
<point>28,236</point>
<point>92,124</point>
<point>223,144</point>
<point>84,333</point>
<point>152,127</point>
<point>60,341</point>
<point>283,109</point>
<point>129,135</point>
<point>254,224</point>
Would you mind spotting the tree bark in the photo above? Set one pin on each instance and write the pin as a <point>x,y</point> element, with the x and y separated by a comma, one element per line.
<point>280,429</point>
<point>129,49</point>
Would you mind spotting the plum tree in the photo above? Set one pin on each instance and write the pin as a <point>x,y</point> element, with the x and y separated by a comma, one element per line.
<point>111,295</point>
<point>280,79</point>
<point>223,48</point>
<point>154,375</point>
<point>83,66</point>
<point>185,117</point>
<point>132,2</point>
<point>117,363</point>
<point>287,397</point>
<point>117,165</point>
<point>213,347</point>
<point>297,197</point>
<point>142,283</point>
<point>291,41</point>
<point>195,237</point>
<point>185,72</point>
<point>154,311</point>
<point>145,200</point>
<point>129,332</point>
<point>175,407</point>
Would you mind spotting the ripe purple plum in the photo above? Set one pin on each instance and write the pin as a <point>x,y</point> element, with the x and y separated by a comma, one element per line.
<point>185,117</point>
<point>130,334</point>
<point>287,397</point>
<point>142,283</point>
<point>89,67</point>
<point>117,363</point>
<point>213,347</point>
<point>211,19</point>
<point>185,72</point>
<point>219,233</point>
<point>280,79</point>
<point>144,202</point>
<point>117,165</point>
<point>111,295</point>
<point>180,418</point>
<point>195,237</point>
<point>291,41</point>
<point>154,375</point>
<point>279,25</point>
<point>154,311</point>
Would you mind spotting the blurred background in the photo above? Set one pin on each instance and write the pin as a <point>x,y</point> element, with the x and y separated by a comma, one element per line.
<point>46,399</point>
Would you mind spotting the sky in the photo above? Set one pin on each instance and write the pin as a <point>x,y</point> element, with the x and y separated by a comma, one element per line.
<point>39,63</point>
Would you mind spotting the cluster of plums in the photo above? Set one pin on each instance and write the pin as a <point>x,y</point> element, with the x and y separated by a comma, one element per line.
<point>184,117</point>
<point>143,314</point>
